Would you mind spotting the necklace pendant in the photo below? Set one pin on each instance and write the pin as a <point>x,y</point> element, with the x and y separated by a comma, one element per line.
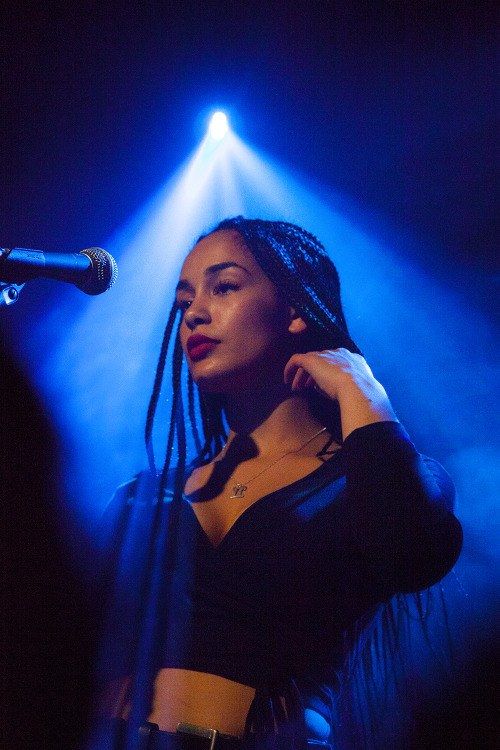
<point>238,491</point>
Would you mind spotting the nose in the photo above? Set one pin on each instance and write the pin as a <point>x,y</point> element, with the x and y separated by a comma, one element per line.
<point>196,314</point>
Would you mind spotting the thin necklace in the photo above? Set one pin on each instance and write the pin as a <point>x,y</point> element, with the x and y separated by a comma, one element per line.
<point>239,488</point>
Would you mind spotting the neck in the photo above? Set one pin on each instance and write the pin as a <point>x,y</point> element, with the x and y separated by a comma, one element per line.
<point>271,416</point>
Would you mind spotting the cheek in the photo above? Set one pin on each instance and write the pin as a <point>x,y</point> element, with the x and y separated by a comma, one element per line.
<point>259,323</point>
<point>184,332</point>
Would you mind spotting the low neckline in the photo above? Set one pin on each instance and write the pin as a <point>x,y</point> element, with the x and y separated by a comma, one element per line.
<point>292,487</point>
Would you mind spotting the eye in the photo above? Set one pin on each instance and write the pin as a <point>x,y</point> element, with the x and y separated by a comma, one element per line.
<point>223,287</point>
<point>183,304</point>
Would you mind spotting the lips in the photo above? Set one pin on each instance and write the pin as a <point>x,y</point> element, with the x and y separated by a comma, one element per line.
<point>198,346</point>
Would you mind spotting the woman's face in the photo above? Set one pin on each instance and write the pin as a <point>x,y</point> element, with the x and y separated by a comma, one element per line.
<point>236,329</point>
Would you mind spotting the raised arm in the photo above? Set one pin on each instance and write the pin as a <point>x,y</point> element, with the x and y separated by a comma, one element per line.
<point>397,509</point>
<point>395,516</point>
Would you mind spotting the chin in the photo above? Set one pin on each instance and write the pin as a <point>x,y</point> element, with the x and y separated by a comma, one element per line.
<point>213,375</point>
<point>235,381</point>
<point>218,383</point>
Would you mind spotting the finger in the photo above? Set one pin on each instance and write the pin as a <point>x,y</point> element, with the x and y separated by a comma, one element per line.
<point>291,368</point>
<point>289,373</point>
<point>295,361</point>
<point>306,381</point>
<point>295,382</point>
<point>299,379</point>
<point>310,382</point>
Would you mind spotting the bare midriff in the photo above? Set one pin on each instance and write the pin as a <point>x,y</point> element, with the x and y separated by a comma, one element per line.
<point>182,695</point>
<point>200,698</point>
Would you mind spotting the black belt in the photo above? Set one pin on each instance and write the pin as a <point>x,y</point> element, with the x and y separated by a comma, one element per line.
<point>187,737</point>
<point>118,735</point>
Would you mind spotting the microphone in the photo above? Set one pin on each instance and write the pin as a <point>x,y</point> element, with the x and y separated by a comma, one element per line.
<point>92,270</point>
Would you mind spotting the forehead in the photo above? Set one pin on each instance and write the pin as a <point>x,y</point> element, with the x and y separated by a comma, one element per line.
<point>219,247</point>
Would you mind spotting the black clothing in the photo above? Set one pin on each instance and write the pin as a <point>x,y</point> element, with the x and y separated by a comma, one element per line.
<point>302,565</point>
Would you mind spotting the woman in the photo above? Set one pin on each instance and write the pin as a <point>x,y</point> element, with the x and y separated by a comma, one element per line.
<point>285,534</point>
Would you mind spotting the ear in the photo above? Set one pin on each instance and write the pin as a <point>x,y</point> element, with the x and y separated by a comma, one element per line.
<point>297,324</point>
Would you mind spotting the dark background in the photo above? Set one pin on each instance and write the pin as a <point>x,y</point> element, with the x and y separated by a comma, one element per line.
<point>389,104</point>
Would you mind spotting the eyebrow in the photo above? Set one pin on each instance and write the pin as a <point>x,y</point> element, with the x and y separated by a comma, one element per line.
<point>184,284</point>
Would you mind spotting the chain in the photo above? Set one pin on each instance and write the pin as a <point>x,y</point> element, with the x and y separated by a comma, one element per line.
<point>239,488</point>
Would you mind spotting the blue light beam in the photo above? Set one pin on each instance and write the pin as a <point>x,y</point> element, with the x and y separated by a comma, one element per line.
<point>424,341</point>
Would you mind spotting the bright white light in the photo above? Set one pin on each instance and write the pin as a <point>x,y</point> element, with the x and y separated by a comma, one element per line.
<point>218,126</point>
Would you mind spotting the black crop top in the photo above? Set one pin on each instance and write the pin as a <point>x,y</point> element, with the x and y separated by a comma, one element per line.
<point>301,565</point>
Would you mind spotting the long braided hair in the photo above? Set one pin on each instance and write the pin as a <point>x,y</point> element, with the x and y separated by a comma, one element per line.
<point>298,264</point>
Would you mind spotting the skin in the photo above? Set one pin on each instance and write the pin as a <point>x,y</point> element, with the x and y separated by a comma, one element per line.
<point>264,386</point>
<point>258,331</point>
<point>240,307</point>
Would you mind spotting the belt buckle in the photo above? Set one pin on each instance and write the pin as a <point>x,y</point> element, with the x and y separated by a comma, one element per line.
<point>202,732</point>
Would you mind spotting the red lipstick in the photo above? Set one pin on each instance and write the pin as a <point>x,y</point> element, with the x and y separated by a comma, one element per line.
<point>198,346</point>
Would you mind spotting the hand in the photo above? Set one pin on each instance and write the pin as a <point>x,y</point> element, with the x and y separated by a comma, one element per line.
<point>345,377</point>
<point>328,372</point>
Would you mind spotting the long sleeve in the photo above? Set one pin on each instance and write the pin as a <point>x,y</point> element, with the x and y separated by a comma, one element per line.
<point>397,510</point>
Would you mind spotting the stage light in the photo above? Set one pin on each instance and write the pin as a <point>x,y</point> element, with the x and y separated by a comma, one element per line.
<point>218,126</point>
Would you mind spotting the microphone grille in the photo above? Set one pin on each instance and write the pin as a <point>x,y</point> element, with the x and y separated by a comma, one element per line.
<point>102,272</point>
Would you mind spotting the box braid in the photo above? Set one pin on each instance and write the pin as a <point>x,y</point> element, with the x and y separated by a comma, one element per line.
<point>298,264</point>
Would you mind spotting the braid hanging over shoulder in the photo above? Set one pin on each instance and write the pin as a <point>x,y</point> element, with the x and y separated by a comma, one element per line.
<point>298,264</point>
